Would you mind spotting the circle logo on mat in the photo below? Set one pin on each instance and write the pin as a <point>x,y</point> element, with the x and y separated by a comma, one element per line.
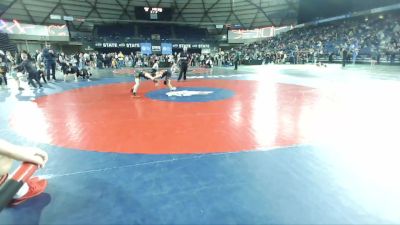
<point>191,94</point>
<point>124,71</point>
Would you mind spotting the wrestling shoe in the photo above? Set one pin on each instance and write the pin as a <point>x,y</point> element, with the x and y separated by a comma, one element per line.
<point>36,187</point>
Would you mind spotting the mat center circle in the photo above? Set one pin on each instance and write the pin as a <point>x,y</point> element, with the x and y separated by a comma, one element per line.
<point>201,116</point>
<point>191,94</point>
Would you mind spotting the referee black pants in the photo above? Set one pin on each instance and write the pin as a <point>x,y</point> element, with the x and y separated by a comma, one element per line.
<point>183,69</point>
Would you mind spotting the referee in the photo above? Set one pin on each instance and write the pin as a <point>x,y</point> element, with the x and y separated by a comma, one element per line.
<point>183,64</point>
<point>236,59</point>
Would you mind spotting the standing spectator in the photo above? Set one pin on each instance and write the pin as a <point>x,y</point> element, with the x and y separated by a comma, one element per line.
<point>237,59</point>
<point>121,58</point>
<point>36,56</point>
<point>3,69</point>
<point>49,59</point>
<point>344,56</point>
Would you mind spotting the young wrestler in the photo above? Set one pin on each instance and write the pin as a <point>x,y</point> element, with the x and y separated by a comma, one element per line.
<point>8,61</point>
<point>41,73</point>
<point>29,67</point>
<point>165,74</point>
<point>85,72</point>
<point>140,74</point>
<point>69,68</point>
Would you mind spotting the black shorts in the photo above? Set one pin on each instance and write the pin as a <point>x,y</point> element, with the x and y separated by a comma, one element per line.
<point>140,75</point>
<point>153,72</point>
<point>40,73</point>
<point>33,75</point>
<point>71,70</point>
<point>64,67</point>
<point>167,75</point>
<point>84,73</point>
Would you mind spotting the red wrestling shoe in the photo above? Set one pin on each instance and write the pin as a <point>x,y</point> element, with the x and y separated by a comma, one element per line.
<point>36,187</point>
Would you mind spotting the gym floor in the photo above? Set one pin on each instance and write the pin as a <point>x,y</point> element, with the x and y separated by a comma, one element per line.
<point>273,144</point>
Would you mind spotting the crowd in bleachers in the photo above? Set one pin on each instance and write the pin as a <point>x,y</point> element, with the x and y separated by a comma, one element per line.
<point>375,37</point>
<point>119,60</point>
<point>135,32</point>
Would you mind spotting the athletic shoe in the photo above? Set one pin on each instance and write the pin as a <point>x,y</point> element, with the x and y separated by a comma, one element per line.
<point>36,187</point>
